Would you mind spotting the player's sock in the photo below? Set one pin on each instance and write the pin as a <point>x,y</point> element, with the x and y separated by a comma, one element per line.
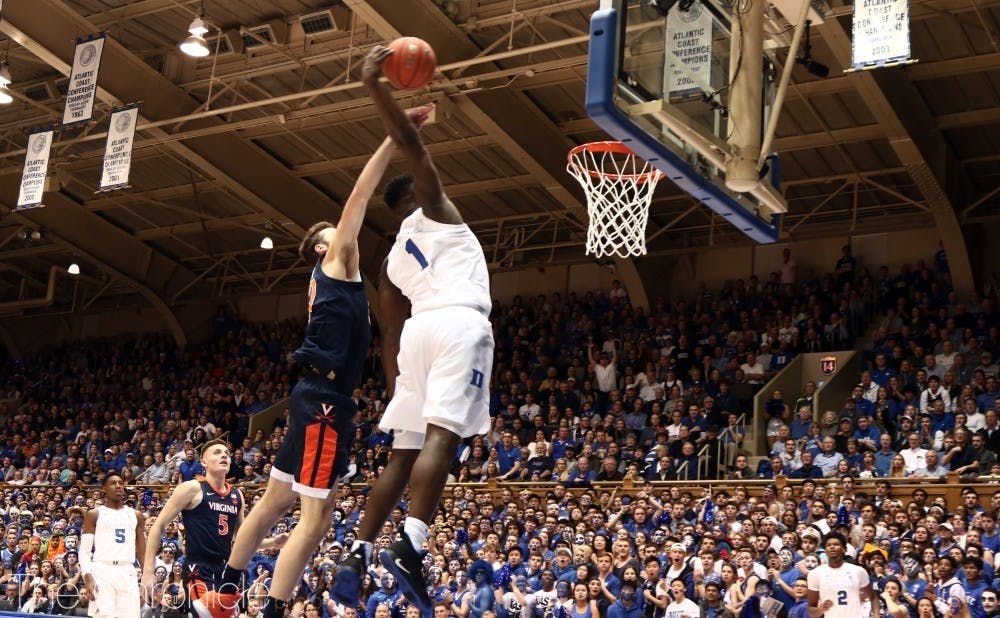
<point>417,531</point>
<point>275,608</point>
<point>366,548</point>
<point>232,575</point>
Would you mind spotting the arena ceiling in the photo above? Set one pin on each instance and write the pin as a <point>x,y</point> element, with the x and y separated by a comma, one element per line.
<point>266,137</point>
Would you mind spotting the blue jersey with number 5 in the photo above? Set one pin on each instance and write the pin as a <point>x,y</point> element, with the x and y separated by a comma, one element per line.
<point>439,265</point>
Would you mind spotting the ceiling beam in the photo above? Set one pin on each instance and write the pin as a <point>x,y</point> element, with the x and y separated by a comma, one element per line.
<point>452,147</point>
<point>825,139</point>
<point>119,200</point>
<point>972,118</point>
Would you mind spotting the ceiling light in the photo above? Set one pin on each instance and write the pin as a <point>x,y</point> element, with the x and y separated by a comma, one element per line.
<point>5,96</point>
<point>195,45</point>
<point>266,243</point>
<point>74,269</point>
<point>36,235</point>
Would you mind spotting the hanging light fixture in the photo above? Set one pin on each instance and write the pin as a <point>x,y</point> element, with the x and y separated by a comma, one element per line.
<point>5,96</point>
<point>74,269</point>
<point>266,243</point>
<point>195,45</point>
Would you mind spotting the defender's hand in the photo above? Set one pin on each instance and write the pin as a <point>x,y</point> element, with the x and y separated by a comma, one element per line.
<point>418,116</point>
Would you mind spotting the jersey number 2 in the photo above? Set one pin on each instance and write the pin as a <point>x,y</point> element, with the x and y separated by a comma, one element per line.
<point>414,250</point>
<point>223,525</point>
<point>842,597</point>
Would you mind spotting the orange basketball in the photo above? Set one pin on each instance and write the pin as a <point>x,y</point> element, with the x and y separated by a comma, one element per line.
<point>411,65</point>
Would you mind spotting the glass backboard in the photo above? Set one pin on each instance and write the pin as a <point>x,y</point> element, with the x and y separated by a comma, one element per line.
<point>658,80</point>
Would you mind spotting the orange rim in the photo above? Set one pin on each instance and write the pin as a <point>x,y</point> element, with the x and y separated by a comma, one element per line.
<point>614,147</point>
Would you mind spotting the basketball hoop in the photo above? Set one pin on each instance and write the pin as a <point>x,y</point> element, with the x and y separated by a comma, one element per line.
<point>619,187</point>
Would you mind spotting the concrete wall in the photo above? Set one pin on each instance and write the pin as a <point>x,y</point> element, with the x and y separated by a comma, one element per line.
<point>579,278</point>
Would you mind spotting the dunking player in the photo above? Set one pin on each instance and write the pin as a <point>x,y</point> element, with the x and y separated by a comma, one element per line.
<point>436,273</point>
<point>111,544</point>
<point>321,420</point>
<point>212,512</point>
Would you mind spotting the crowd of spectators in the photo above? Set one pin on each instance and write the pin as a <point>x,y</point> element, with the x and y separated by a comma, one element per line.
<point>586,388</point>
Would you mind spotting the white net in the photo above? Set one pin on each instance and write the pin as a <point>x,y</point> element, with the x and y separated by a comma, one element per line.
<point>619,187</point>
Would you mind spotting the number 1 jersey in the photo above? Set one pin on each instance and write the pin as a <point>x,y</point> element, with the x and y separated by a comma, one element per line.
<point>439,265</point>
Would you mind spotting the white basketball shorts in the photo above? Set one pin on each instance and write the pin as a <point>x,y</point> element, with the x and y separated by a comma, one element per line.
<point>117,590</point>
<point>445,361</point>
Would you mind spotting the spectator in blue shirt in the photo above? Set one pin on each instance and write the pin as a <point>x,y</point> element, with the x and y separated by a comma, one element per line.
<point>190,467</point>
<point>867,435</point>
<point>803,420</point>
<point>508,455</point>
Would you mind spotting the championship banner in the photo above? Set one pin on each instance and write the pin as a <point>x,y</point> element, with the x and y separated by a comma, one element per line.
<point>118,150</point>
<point>881,33</point>
<point>36,166</point>
<point>688,66</point>
<point>82,89</point>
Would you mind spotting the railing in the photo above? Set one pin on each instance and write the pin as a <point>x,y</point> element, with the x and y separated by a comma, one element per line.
<point>898,488</point>
<point>727,452</point>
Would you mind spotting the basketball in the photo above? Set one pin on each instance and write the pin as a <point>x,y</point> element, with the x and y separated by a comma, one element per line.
<point>411,65</point>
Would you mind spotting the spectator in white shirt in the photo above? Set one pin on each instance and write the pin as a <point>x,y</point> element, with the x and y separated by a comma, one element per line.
<point>605,369</point>
<point>947,356</point>
<point>934,392</point>
<point>915,457</point>
<point>753,370</point>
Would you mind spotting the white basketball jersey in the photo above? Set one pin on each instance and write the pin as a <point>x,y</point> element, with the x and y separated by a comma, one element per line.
<point>842,586</point>
<point>114,535</point>
<point>439,265</point>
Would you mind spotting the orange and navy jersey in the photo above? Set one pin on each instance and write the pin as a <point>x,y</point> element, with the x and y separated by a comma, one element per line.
<point>209,528</point>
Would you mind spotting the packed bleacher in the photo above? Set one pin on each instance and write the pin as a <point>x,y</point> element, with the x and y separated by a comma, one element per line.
<point>588,392</point>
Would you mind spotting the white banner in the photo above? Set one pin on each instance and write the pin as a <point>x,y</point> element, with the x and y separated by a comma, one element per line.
<point>82,88</point>
<point>118,150</point>
<point>688,65</point>
<point>881,33</point>
<point>36,166</point>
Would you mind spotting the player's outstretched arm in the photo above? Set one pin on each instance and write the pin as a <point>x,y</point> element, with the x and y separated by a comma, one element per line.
<point>349,226</point>
<point>180,499</point>
<point>394,308</point>
<point>427,188</point>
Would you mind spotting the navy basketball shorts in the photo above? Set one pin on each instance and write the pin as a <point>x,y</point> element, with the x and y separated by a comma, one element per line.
<point>316,449</point>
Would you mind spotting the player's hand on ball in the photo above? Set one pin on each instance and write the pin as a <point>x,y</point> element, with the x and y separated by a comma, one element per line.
<point>371,69</point>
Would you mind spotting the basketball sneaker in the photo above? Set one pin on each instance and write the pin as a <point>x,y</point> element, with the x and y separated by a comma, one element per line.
<point>350,574</point>
<point>407,565</point>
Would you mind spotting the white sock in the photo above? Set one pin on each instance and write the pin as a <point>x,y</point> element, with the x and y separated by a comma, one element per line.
<point>417,531</point>
<point>366,547</point>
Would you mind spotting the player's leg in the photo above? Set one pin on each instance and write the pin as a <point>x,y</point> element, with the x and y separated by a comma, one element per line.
<point>427,479</point>
<point>277,500</point>
<point>455,405</point>
<point>300,546</point>
<point>346,588</point>
<point>279,495</point>
<point>104,591</point>
<point>323,460</point>
<point>126,593</point>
